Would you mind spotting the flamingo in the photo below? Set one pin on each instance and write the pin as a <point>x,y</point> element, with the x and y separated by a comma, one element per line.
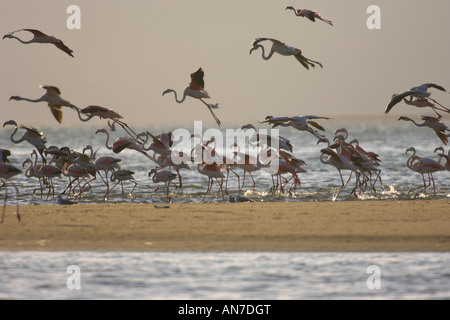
<point>40,171</point>
<point>4,154</point>
<point>283,143</point>
<point>310,14</point>
<point>212,171</point>
<point>422,166</point>
<point>165,176</point>
<point>442,155</point>
<point>32,135</point>
<point>167,161</point>
<point>54,100</point>
<point>420,92</point>
<point>303,123</point>
<point>106,164</point>
<point>431,122</point>
<point>124,143</point>
<point>8,171</point>
<point>105,113</point>
<point>122,175</point>
<point>40,37</point>
<point>195,90</point>
<point>285,50</point>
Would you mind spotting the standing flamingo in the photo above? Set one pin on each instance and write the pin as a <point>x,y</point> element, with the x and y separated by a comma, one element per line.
<point>196,89</point>
<point>122,175</point>
<point>8,171</point>
<point>442,156</point>
<point>422,166</point>
<point>54,100</point>
<point>40,37</point>
<point>310,14</point>
<point>285,50</point>
<point>212,171</point>
<point>431,122</point>
<point>165,176</point>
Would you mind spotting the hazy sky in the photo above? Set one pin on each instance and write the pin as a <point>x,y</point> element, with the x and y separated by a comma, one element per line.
<point>128,52</point>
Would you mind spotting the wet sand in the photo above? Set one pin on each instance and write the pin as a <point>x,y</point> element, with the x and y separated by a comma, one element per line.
<point>350,226</point>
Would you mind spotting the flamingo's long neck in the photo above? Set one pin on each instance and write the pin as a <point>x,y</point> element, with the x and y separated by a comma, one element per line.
<point>12,137</point>
<point>24,42</point>
<point>176,96</point>
<point>264,52</point>
<point>29,100</point>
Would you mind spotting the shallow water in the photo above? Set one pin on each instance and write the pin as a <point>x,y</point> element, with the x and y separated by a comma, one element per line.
<point>237,275</point>
<point>320,183</point>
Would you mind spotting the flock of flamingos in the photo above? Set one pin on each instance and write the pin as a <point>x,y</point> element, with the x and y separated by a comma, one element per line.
<point>47,162</point>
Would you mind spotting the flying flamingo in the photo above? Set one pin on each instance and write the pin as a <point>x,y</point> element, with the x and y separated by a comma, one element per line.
<point>124,143</point>
<point>285,50</point>
<point>165,176</point>
<point>422,166</point>
<point>420,92</point>
<point>195,90</point>
<point>431,122</point>
<point>40,37</point>
<point>54,100</point>
<point>283,143</point>
<point>105,113</point>
<point>8,171</point>
<point>303,123</point>
<point>310,14</point>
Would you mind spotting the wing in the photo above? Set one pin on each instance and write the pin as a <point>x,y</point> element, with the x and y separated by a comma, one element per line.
<point>432,85</point>
<point>60,45</point>
<point>441,135</point>
<point>275,41</point>
<point>197,81</point>
<point>35,32</point>
<point>52,90</point>
<point>316,125</point>
<point>396,99</point>
<point>429,118</point>
<point>333,154</point>
<point>57,113</point>
<point>278,119</point>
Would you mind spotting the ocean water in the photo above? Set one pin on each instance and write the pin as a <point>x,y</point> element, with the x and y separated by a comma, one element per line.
<point>236,275</point>
<point>388,138</point>
<point>224,276</point>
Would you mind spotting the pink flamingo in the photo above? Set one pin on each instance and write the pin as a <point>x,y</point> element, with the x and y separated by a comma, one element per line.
<point>212,171</point>
<point>433,123</point>
<point>124,143</point>
<point>422,166</point>
<point>284,50</point>
<point>122,175</point>
<point>310,14</point>
<point>165,176</point>
<point>53,99</point>
<point>196,89</point>
<point>40,37</point>
<point>7,171</point>
<point>105,113</point>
